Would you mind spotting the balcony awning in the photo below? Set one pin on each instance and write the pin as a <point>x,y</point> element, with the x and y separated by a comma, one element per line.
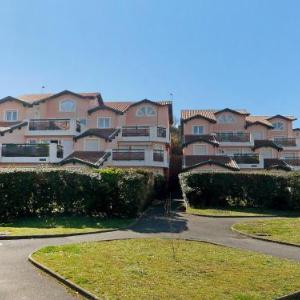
<point>89,158</point>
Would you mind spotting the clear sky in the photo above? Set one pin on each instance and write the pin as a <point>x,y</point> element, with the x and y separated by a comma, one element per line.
<point>208,53</point>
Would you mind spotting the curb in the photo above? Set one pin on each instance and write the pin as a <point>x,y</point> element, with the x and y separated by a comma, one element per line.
<point>88,295</point>
<point>47,236</point>
<point>230,217</point>
<point>264,239</point>
<point>63,280</point>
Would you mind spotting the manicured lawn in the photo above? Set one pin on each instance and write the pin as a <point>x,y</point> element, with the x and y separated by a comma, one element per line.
<point>240,212</point>
<point>147,269</point>
<point>60,225</point>
<point>281,229</point>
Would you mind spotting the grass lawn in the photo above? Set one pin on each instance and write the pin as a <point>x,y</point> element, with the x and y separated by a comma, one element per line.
<point>147,269</point>
<point>240,212</point>
<point>281,229</point>
<point>60,225</point>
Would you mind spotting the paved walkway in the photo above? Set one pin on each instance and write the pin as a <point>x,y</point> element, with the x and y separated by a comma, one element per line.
<point>19,280</point>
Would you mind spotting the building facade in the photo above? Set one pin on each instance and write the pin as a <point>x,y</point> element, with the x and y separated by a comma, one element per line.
<point>80,129</point>
<point>234,140</point>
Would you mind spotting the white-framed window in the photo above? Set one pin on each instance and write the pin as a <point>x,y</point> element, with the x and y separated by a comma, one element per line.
<point>226,119</point>
<point>146,111</point>
<point>278,126</point>
<point>199,149</point>
<point>104,122</point>
<point>11,115</point>
<point>92,145</point>
<point>83,122</point>
<point>32,141</point>
<point>67,105</point>
<point>198,129</point>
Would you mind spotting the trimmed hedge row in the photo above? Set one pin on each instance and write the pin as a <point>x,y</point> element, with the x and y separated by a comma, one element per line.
<point>269,190</point>
<point>108,192</point>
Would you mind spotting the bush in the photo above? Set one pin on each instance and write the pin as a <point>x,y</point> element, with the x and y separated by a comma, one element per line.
<point>160,186</point>
<point>107,192</point>
<point>252,189</point>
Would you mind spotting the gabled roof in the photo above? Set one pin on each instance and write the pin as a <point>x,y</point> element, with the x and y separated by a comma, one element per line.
<point>123,106</point>
<point>258,120</point>
<point>13,127</point>
<point>234,111</point>
<point>207,114</point>
<point>289,118</point>
<point>103,107</point>
<point>90,158</point>
<point>39,98</point>
<point>194,161</point>
<point>266,144</point>
<point>277,164</point>
<point>10,98</point>
<point>104,133</point>
<point>206,138</point>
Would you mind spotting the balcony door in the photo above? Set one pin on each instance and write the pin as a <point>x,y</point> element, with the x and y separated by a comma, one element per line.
<point>67,147</point>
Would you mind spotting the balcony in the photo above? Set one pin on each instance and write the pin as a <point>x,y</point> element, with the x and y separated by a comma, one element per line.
<point>130,131</point>
<point>250,159</point>
<point>286,142</point>
<point>293,161</point>
<point>145,133</point>
<point>232,137</point>
<point>126,155</point>
<point>138,158</point>
<point>53,127</point>
<point>31,153</point>
<point>25,150</point>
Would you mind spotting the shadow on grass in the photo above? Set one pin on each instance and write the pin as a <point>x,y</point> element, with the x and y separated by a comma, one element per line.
<point>76,222</point>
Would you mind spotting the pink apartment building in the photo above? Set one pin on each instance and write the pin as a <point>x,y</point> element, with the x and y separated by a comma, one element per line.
<point>234,140</point>
<point>80,129</point>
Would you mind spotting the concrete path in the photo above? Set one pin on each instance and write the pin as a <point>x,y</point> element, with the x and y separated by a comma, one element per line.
<point>19,280</point>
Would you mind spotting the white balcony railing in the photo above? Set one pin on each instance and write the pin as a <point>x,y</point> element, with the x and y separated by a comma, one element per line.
<point>148,158</point>
<point>145,133</point>
<point>30,153</point>
<point>53,127</point>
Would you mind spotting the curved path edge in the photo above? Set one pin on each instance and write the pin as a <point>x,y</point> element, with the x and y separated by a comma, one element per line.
<point>85,293</point>
<point>228,217</point>
<point>263,239</point>
<point>62,279</point>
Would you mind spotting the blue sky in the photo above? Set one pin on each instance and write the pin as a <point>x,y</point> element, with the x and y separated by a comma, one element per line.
<point>208,53</point>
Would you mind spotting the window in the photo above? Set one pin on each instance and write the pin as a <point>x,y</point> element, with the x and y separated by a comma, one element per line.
<point>146,111</point>
<point>31,141</point>
<point>83,122</point>
<point>226,119</point>
<point>92,145</point>
<point>257,135</point>
<point>200,149</point>
<point>198,129</point>
<point>67,106</point>
<point>11,115</point>
<point>104,122</point>
<point>278,126</point>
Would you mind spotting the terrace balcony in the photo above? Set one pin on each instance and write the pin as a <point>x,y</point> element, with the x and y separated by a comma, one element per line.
<point>145,133</point>
<point>148,158</point>
<point>31,153</point>
<point>286,142</point>
<point>292,161</point>
<point>246,159</point>
<point>234,138</point>
<point>53,127</point>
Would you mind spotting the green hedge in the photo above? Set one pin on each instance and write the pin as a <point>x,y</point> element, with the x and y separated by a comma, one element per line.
<point>107,192</point>
<point>253,189</point>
